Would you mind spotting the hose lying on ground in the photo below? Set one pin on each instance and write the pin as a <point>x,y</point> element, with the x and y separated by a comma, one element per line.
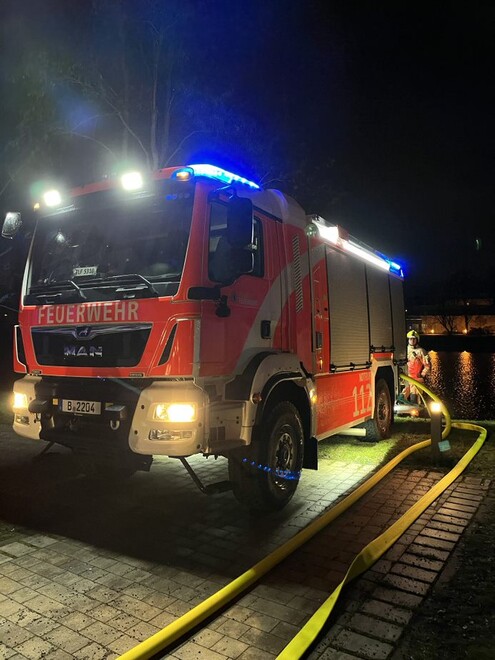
<point>369,555</point>
<point>374,550</point>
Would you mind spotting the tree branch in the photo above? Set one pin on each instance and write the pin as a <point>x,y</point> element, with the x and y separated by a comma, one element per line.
<point>105,97</point>
<point>92,139</point>
<point>89,119</point>
<point>16,172</point>
<point>180,145</point>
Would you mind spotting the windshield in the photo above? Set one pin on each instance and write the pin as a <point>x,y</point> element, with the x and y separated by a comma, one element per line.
<point>107,249</point>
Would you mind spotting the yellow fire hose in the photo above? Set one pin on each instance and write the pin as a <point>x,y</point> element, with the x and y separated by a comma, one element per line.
<point>301,642</point>
<point>374,550</point>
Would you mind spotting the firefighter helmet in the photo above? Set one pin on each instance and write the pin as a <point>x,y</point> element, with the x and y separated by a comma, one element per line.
<point>412,334</point>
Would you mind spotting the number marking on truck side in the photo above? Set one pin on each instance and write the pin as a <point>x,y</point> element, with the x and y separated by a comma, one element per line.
<point>364,398</point>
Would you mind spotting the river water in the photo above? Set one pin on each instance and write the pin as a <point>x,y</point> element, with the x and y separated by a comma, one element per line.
<point>465,382</point>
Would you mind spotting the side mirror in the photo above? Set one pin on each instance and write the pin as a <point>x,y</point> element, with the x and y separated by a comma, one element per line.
<point>240,222</point>
<point>11,224</point>
<point>244,260</point>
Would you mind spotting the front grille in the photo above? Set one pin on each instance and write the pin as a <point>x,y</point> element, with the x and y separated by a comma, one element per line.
<point>91,346</point>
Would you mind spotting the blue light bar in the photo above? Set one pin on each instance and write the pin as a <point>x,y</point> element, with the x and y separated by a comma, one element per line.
<point>396,268</point>
<point>218,173</point>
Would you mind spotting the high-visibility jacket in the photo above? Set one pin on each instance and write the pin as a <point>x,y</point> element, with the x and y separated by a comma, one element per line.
<point>418,362</point>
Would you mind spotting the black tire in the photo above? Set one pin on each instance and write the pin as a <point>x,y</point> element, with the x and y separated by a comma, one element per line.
<point>379,427</point>
<point>265,475</point>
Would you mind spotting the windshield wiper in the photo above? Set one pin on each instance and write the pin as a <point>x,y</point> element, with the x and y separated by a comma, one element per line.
<point>130,289</point>
<point>56,285</point>
<point>115,278</point>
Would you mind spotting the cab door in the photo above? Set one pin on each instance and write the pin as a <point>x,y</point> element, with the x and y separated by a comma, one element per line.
<point>244,321</point>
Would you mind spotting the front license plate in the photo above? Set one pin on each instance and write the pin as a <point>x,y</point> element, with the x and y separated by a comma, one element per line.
<point>81,407</point>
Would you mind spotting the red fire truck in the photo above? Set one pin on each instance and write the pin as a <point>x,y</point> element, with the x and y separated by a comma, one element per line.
<point>192,312</point>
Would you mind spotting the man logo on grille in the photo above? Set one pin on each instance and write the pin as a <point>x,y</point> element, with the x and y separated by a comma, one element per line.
<point>70,350</point>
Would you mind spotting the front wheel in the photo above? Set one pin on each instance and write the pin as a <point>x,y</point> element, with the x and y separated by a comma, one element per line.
<point>265,475</point>
<point>379,427</point>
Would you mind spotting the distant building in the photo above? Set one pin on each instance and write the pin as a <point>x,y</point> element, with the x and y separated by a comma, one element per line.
<point>474,316</point>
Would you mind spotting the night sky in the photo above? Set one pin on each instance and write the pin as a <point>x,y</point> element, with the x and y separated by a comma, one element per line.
<point>377,116</point>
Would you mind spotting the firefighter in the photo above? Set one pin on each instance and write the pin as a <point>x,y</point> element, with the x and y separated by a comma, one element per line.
<point>418,365</point>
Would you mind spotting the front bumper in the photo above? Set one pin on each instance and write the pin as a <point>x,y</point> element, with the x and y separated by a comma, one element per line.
<point>124,423</point>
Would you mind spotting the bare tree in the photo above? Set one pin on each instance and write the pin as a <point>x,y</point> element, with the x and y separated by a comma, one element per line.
<point>467,319</point>
<point>142,96</point>
<point>447,321</point>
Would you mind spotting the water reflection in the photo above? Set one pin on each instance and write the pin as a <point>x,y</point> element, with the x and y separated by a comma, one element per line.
<point>436,380</point>
<point>466,386</point>
<point>465,382</point>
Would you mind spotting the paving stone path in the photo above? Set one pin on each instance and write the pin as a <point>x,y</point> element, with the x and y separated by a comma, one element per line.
<point>380,604</point>
<point>89,569</point>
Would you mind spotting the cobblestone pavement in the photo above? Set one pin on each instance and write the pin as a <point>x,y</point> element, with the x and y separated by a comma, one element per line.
<point>380,604</point>
<point>88,568</point>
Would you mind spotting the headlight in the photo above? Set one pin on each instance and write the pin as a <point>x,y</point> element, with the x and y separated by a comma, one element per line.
<point>20,401</point>
<point>175,412</point>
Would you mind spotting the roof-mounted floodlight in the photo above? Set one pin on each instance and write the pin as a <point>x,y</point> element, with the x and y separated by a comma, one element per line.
<point>218,173</point>
<point>131,181</point>
<point>329,233</point>
<point>341,238</point>
<point>52,198</point>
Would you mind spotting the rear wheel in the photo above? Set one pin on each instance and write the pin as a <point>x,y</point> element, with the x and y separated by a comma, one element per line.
<point>379,427</point>
<point>265,475</point>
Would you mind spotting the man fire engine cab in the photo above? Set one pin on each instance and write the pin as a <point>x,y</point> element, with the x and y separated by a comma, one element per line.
<point>191,312</point>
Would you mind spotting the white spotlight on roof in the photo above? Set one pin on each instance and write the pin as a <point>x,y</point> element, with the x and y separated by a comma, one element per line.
<point>131,181</point>
<point>52,198</point>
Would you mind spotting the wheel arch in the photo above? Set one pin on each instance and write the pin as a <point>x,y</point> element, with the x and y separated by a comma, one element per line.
<point>281,389</point>
<point>268,379</point>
